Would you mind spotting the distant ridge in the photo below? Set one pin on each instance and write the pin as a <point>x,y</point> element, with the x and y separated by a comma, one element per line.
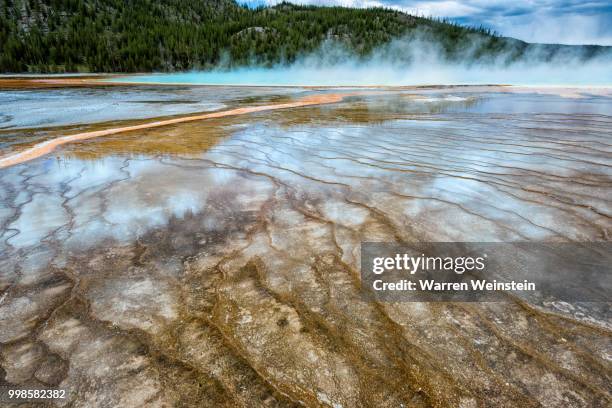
<point>46,36</point>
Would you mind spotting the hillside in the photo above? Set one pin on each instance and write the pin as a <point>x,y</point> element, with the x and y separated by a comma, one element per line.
<point>171,35</point>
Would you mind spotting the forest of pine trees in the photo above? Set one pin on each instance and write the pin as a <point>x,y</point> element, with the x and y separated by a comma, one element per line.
<point>170,35</point>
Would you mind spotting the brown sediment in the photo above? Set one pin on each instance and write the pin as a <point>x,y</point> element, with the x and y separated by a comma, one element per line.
<point>252,296</point>
<point>48,146</point>
<point>37,82</point>
<point>25,82</point>
<point>187,140</point>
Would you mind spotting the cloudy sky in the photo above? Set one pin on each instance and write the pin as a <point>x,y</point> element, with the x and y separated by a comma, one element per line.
<point>547,21</point>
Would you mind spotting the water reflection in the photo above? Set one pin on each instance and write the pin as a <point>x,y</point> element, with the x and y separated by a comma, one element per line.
<point>488,173</point>
<point>219,259</point>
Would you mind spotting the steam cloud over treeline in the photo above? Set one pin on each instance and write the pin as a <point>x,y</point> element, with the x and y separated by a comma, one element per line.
<point>423,58</point>
<point>53,36</point>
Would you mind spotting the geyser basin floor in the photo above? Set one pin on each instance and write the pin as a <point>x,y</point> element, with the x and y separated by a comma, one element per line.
<point>214,263</point>
<point>44,148</point>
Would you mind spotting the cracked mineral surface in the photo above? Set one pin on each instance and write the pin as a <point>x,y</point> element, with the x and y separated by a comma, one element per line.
<point>216,262</point>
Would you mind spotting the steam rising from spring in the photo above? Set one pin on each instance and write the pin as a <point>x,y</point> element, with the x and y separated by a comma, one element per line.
<point>416,60</point>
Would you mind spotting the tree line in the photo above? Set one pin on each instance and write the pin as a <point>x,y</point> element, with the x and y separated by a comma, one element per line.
<point>171,35</point>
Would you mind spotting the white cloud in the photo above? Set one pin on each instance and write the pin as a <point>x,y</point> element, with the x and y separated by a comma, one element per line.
<point>565,29</point>
<point>547,21</point>
<point>441,8</point>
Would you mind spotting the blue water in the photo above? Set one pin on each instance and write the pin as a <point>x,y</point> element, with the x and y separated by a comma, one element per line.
<point>260,77</point>
<point>372,74</point>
